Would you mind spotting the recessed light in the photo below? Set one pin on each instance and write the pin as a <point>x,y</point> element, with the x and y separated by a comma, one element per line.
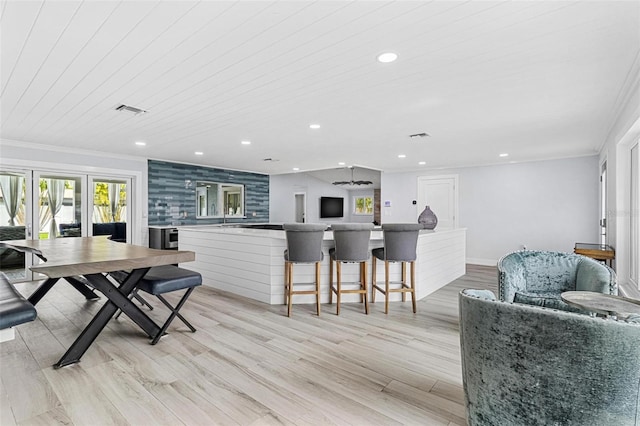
<point>295,169</point>
<point>402,156</point>
<point>341,163</point>
<point>140,143</point>
<point>199,153</point>
<point>245,142</point>
<point>504,154</point>
<point>387,57</point>
<point>422,163</point>
<point>314,126</point>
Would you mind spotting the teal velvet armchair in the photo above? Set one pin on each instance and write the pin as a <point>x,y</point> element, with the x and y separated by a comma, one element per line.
<point>529,365</point>
<point>539,277</point>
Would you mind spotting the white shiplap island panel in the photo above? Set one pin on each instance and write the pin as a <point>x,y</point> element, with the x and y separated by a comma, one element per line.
<point>249,262</point>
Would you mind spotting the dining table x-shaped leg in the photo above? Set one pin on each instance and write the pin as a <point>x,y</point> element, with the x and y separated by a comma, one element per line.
<point>118,298</point>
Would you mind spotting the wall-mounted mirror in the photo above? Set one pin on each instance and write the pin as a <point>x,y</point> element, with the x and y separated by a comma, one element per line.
<point>215,199</point>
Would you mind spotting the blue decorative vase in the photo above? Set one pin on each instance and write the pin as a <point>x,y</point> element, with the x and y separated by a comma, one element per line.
<point>428,218</point>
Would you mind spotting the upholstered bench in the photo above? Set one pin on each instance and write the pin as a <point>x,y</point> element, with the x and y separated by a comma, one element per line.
<point>14,309</point>
<point>165,279</point>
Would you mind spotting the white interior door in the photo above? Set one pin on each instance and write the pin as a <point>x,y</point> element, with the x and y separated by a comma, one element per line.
<point>301,207</point>
<point>440,193</point>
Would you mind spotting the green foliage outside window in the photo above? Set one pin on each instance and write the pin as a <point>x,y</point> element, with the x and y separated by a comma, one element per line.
<point>363,205</point>
<point>105,209</point>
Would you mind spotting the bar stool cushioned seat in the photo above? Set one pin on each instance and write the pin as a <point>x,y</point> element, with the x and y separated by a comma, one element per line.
<point>400,245</point>
<point>304,245</point>
<point>352,246</point>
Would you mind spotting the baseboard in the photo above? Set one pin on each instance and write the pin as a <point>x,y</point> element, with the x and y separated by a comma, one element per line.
<point>7,334</point>
<point>628,289</point>
<point>482,262</point>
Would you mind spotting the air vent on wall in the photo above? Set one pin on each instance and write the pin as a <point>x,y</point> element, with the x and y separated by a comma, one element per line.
<point>134,110</point>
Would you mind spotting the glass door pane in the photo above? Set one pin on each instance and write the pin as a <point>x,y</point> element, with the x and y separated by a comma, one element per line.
<point>13,222</point>
<point>110,212</point>
<point>59,207</point>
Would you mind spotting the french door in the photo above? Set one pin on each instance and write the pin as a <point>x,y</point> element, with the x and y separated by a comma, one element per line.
<point>37,204</point>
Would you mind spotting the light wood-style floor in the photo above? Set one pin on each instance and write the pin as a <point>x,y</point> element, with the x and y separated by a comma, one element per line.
<point>248,364</point>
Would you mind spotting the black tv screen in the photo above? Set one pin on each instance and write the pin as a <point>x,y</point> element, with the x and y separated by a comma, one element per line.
<point>331,207</point>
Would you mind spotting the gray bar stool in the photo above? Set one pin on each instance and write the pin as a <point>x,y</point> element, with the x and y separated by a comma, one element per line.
<point>400,243</point>
<point>352,246</point>
<point>304,245</point>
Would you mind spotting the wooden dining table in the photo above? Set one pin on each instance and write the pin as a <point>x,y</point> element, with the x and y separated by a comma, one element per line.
<point>84,262</point>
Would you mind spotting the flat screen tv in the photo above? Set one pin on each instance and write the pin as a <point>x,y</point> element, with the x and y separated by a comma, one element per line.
<point>331,207</point>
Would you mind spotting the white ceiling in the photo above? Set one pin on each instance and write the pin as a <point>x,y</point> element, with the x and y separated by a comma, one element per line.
<point>536,80</point>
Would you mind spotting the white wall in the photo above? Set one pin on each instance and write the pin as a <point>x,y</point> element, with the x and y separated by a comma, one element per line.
<point>282,189</point>
<point>545,205</point>
<point>21,155</point>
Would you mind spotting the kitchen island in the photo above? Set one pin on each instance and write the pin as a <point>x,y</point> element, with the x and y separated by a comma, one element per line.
<point>248,260</point>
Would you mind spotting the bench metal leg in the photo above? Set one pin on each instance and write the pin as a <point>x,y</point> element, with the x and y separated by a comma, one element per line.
<point>142,300</point>
<point>174,313</point>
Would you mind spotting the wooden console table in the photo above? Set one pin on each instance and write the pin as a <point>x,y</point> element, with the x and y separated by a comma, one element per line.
<point>600,252</point>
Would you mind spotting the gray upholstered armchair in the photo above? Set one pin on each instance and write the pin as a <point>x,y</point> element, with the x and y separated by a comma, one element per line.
<point>539,277</point>
<point>529,365</point>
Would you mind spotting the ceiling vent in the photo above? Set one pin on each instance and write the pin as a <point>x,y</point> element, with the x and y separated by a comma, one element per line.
<point>128,108</point>
<point>419,135</point>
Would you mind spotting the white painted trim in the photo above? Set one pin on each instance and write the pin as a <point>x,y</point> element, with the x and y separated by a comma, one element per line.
<point>68,150</point>
<point>481,262</point>
<point>430,169</point>
<point>138,181</point>
<point>7,334</point>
